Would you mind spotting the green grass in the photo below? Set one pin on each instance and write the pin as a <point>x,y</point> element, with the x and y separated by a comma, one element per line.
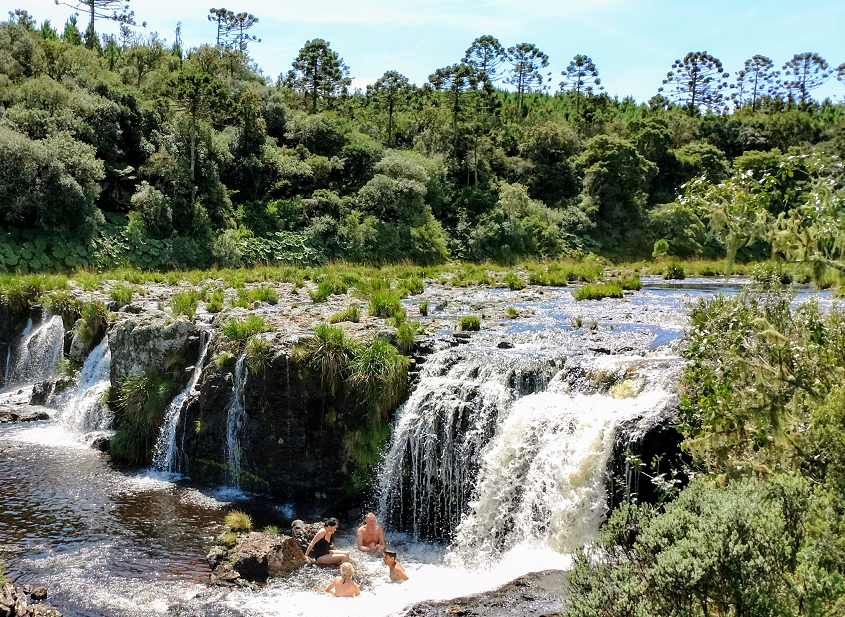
<point>259,352</point>
<point>379,377</point>
<point>214,301</point>
<point>385,305</point>
<point>221,359</point>
<point>328,352</point>
<point>241,331</point>
<point>674,271</point>
<point>424,308</point>
<point>245,298</point>
<point>406,333</point>
<point>122,294</point>
<point>470,323</point>
<point>228,539</point>
<point>236,520</point>
<point>512,313</point>
<point>513,282</point>
<point>630,283</point>
<point>352,314</point>
<point>64,304</point>
<point>412,286</point>
<point>328,287</point>
<point>3,579</point>
<point>598,291</point>
<point>95,319</point>
<point>272,530</point>
<point>185,303</point>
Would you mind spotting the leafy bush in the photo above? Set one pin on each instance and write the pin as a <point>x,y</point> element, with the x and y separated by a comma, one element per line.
<point>598,291</point>
<point>242,330</point>
<point>353,314</point>
<point>674,271</point>
<point>385,305</point>
<point>185,303</point>
<point>237,520</point>
<point>122,294</point>
<point>470,323</point>
<point>513,282</point>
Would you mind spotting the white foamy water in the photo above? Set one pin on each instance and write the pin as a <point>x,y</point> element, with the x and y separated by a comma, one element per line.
<point>82,408</point>
<point>36,355</point>
<point>235,417</point>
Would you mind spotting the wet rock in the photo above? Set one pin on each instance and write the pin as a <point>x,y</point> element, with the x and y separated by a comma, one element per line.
<point>23,413</point>
<point>43,610</point>
<point>505,345</point>
<point>304,532</point>
<point>216,556</point>
<point>256,557</point>
<point>39,593</point>
<point>146,340</point>
<point>78,346</point>
<point>539,594</point>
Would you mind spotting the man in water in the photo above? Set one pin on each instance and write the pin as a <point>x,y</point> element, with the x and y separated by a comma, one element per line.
<point>397,572</point>
<point>371,536</point>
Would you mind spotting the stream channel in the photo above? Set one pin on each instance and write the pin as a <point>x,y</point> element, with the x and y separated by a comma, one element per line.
<point>516,419</point>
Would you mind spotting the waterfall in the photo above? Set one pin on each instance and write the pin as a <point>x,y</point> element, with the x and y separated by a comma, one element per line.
<point>38,353</point>
<point>83,409</point>
<point>491,453</point>
<point>235,417</point>
<point>165,449</point>
<point>8,367</point>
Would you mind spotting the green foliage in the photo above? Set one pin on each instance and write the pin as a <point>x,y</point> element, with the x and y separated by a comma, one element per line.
<point>598,291</point>
<point>229,539</point>
<point>424,308</point>
<point>122,294</point>
<point>94,318</point>
<point>273,530</point>
<point>328,353</point>
<point>385,305</point>
<point>242,330</point>
<point>405,335</point>
<point>674,271</point>
<point>64,304</point>
<point>512,313</point>
<point>379,376</point>
<point>185,303</point>
<point>258,352</point>
<point>214,303</point>
<point>236,520</point>
<point>353,314</point>
<point>222,359</point>
<point>328,287</point>
<point>631,283</point>
<point>246,297</point>
<point>470,323</point>
<point>3,579</point>
<point>513,282</point>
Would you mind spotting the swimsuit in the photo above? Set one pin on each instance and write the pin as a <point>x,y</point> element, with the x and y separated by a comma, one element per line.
<point>321,547</point>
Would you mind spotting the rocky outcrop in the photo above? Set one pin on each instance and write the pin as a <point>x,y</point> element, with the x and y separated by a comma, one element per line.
<point>147,339</point>
<point>23,413</point>
<point>255,558</point>
<point>539,594</point>
<point>25,601</point>
<point>304,532</point>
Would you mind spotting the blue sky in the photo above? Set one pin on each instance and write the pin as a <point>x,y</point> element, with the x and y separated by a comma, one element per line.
<point>632,42</point>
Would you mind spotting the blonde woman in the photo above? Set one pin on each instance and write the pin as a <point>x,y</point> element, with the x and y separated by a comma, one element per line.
<point>343,586</point>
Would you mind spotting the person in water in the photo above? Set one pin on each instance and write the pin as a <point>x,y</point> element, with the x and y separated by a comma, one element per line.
<point>371,536</point>
<point>343,586</point>
<point>397,572</point>
<point>320,549</point>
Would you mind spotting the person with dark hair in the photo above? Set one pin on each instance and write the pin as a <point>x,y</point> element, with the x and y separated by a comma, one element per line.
<point>320,549</point>
<point>397,572</point>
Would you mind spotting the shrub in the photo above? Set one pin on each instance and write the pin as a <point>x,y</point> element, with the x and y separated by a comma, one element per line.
<point>272,530</point>
<point>238,521</point>
<point>214,303</point>
<point>122,294</point>
<point>242,330</point>
<point>424,308</point>
<point>598,291</point>
<point>379,375</point>
<point>406,332</point>
<point>352,314</point>
<point>631,283</point>
<point>259,352</point>
<point>513,282</point>
<point>674,271</point>
<point>470,323</point>
<point>384,305</point>
<point>512,313</point>
<point>185,303</point>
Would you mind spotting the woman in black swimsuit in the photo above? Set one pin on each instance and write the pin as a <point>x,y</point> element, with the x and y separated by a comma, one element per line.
<point>320,548</point>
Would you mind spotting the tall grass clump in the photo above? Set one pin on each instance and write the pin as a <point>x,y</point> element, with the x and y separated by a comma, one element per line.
<point>598,291</point>
<point>63,304</point>
<point>470,323</point>
<point>512,313</point>
<point>406,333</point>
<point>424,308</point>
<point>384,305</point>
<point>94,318</point>
<point>379,375</point>
<point>122,294</point>
<point>258,352</point>
<point>328,287</point>
<point>237,520</point>
<point>674,271</point>
<point>241,331</point>
<point>352,314</point>
<point>411,286</point>
<point>513,282</point>
<point>3,579</point>
<point>630,283</point>
<point>214,301</point>
<point>328,353</point>
<point>185,303</point>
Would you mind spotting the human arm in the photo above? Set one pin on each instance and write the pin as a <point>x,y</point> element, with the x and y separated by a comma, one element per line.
<point>382,544</point>
<point>320,534</point>
<point>330,587</point>
<point>361,546</point>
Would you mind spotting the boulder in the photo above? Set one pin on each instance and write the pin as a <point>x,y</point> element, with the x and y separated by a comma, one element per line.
<point>23,413</point>
<point>257,557</point>
<point>304,532</point>
<point>144,340</point>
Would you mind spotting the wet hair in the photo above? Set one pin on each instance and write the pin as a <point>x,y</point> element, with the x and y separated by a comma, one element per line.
<point>390,553</point>
<point>330,522</point>
<point>347,570</point>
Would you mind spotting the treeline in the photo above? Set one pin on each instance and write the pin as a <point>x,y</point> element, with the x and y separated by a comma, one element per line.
<point>128,151</point>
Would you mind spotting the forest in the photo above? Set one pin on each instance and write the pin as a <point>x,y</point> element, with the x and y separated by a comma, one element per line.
<point>140,153</point>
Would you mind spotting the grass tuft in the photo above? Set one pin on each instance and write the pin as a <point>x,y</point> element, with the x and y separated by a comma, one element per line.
<point>237,520</point>
<point>674,271</point>
<point>241,331</point>
<point>512,313</point>
<point>424,308</point>
<point>513,282</point>
<point>384,305</point>
<point>228,539</point>
<point>598,291</point>
<point>272,530</point>
<point>122,294</point>
<point>185,303</point>
<point>328,352</point>
<point>353,314</point>
<point>470,323</point>
<point>259,352</point>
<point>379,376</point>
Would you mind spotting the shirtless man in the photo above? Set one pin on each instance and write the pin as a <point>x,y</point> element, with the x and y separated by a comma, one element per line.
<point>397,572</point>
<point>371,536</point>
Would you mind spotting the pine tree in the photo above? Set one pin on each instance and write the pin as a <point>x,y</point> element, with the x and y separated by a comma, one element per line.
<point>803,73</point>
<point>697,82</point>
<point>755,80</point>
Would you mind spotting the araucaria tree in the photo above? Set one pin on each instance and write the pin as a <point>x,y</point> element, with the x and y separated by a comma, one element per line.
<point>526,60</point>
<point>757,79</point>
<point>115,10</point>
<point>238,27</point>
<point>803,73</point>
<point>224,19</point>
<point>580,77</point>
<point>390,91</point>
<point>456,81</point>
<point>696,82</point>
<point>318,72</point>
<point>487,55</point>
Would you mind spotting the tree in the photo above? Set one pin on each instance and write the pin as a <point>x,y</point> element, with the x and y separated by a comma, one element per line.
<point>755,80</point>
<point>391,90</point>
<point>238,26</point>
<point>580,77</point>
<point>696,82</point>
<point>318,72</point>
<point>487,55</point>
<point>71,34</point>
<point>456,81</point>
<point>23,19</point>
<point>114,10</point>
<point>224,20</point>
<point>198,95</point>
<point>526,60</point>
<point>840,72</point>
<point>803,73</point>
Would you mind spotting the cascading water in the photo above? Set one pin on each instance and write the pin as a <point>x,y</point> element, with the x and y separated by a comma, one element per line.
<point>83,410</point>
<point>165,458</point>
<point>235,416</point>
<point>37,355</point>
<point>488,452</point>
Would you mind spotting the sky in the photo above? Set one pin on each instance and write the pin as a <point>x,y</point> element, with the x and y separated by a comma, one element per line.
<point>632,42</point>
